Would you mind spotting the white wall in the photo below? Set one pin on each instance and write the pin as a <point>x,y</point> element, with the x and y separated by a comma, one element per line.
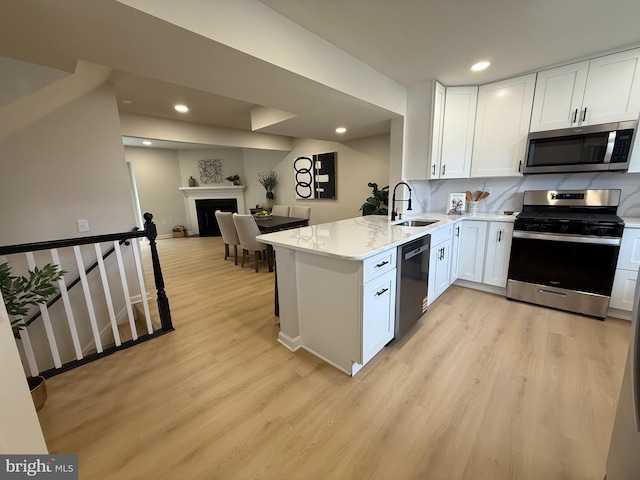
<point>157,176</point>
<point>68,165</point>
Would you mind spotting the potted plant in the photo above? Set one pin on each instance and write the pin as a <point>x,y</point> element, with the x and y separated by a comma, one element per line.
<point>377,203</point>
<point>268,180</point>
<point>234,179</point>
<point>20,293</point>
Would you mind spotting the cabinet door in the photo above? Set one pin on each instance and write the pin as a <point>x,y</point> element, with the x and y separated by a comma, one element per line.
<point>436,129</point>
<point>612,93</point>
<point>443,267</point>
<point>473,238</point>
<point>498,251</point>
<point>379,307</point>
<point>624,288</point>
<point>502,126</point>
<point>558,97</point>
<point>629,257</point>
<point>457,132</point>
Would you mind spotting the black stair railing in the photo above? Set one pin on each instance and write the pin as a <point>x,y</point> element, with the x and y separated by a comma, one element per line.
<point>150,232</point>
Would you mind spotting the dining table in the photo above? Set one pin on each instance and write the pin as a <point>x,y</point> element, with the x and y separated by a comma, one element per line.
<point>275,223</point>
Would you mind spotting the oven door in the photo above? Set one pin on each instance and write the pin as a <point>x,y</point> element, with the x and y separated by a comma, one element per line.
<point>569,272</point>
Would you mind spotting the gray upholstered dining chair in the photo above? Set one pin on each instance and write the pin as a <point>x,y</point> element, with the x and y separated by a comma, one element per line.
<point>280,210</point>
<point>247,229</point>
<point>300,212</point>
<point>229,233</point>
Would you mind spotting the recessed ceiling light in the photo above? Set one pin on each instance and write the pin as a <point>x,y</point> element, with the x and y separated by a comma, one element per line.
<point>341,130</point>
<point>146,142</point>
<point>127,101</point>
<point>480,66</point>
<point>181,108</point>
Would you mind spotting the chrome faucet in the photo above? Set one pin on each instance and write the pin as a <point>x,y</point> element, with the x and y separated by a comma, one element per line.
<point>393,201</point>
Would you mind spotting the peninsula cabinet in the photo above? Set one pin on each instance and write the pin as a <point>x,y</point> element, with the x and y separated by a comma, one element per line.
<point>603,90</point>
<point>502,126</point>
<point>624,282</point>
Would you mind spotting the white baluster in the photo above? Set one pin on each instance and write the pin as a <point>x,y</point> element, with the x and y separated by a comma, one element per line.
<point>46,320</point>
<point>62,285</point>
<point>125,289</point>
<point>88,300</point>
<point>28,351</point>
<point>143,289</point>
<point>107,295</point>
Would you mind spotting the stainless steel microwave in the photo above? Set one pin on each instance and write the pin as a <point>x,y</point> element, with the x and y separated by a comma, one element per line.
<point>595,148</point>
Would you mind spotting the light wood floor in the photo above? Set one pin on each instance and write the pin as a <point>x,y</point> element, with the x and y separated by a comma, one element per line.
<point>483,388</point>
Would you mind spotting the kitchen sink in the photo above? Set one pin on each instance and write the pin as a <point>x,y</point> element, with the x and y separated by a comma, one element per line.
<point>416,223</point>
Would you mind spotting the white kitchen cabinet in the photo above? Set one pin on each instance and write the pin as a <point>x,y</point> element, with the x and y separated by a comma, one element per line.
<point>455,252</point>
<point>379,307</point>
<point>457,132</point>
<point>439,93</point>
<point>502,126</point>
<point>624,282</point>
<point>473,240</point>
<point>439,263</point>
<point>558,97</point>
<point>603,90</point>
<point>634,162</point>
<point>497,253</point>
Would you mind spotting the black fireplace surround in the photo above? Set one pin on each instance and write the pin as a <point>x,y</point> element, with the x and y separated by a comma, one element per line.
<point>206,211</point>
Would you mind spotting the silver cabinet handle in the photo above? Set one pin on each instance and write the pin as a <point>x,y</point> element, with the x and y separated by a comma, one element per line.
<point>499,236</point>
<point>584,114</point>
<point>381,264</point>
<point>434,169</point>
<point>444,168</point>
<point>575,116</point>
<point>520,166</point>
<point>457,231</point>
<point>381,292</point>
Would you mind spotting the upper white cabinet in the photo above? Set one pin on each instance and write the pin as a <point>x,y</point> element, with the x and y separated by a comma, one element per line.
<point>502,126</point>
<point>437,120</point>
<point>457,132</point>
<point>602,90</point>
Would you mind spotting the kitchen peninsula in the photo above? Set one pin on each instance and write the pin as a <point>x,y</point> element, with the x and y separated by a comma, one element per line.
<point>337,284</point>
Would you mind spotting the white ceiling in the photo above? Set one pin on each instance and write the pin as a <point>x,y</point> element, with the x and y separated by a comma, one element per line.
<point>410,41</point>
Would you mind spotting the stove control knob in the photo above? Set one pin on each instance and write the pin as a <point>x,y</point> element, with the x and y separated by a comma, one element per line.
<point>586,230</point>
<point>542,227</point>
<point>564,228</point>
<point>603,232</point>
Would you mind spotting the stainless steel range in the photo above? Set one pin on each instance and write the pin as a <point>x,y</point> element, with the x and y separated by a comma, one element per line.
<point>565,249</point>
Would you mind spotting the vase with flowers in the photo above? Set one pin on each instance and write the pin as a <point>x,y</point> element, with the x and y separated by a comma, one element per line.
<point>268,180</point>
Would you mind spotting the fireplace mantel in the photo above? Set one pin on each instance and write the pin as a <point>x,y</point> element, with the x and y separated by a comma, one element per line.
<point>211,192</point>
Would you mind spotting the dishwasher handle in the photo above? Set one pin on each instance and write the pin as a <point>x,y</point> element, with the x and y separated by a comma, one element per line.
<point>416,251</point>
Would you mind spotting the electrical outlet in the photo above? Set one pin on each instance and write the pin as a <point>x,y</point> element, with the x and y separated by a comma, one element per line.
<point>164,221</point>
<point>83,225</point>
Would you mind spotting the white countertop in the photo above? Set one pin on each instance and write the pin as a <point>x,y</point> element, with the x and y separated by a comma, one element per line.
<point>360,237</point>
<point>631,222</point>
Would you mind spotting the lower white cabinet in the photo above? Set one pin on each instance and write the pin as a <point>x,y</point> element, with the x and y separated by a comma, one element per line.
<point>484,252</point>
<point>498,251</point>
<point>473,240</point>
<point>624,282</point>
<point>439,263</point>
<point>379,307</point>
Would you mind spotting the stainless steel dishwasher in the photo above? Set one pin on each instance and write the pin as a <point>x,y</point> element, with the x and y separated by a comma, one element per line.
<point>412,284</point>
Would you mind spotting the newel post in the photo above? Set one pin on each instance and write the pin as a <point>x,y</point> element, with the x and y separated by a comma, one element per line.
<point>163,301</point>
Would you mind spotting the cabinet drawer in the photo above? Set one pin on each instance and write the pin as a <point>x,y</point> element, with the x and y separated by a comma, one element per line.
<point>442,234</point>
<point>378,264</point>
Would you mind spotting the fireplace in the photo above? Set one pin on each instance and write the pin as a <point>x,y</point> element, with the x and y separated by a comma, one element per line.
<point>226,194</point>
<point>206,211</point>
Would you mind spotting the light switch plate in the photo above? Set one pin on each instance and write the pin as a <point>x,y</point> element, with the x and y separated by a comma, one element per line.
<point>83,225</point>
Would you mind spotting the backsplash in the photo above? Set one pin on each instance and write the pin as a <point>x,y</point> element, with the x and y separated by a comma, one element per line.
<point>507,192</point>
